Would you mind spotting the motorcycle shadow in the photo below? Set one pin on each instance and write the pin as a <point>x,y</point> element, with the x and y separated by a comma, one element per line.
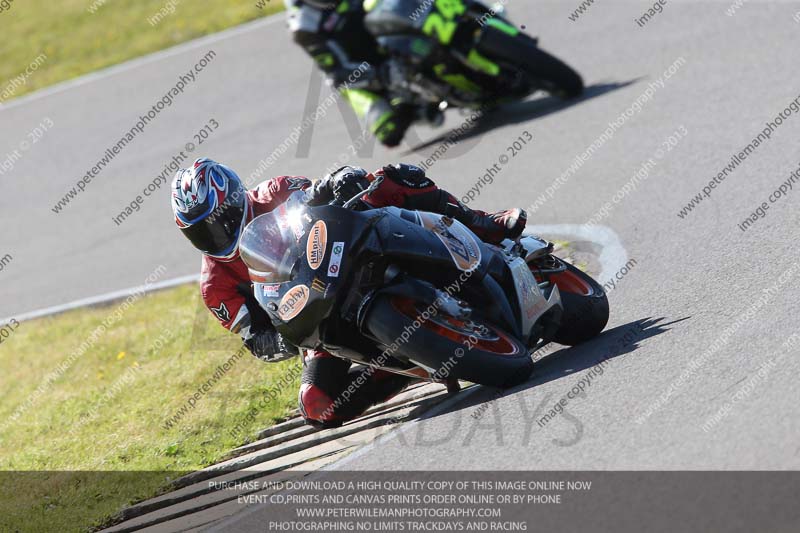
<point>519,112</point>
<point>567,361</point>
<point>611,344</point>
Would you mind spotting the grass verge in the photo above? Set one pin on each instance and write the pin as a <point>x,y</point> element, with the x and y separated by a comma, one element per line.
<point>114,427</point>
<point>47,42</point>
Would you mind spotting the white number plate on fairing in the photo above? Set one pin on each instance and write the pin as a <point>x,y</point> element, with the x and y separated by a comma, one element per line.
<point>455,236</point>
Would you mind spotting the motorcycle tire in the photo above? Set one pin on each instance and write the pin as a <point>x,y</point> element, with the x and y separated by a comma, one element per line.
<point>545,70</point>
<point>585,306</point>
<point>443,343</point>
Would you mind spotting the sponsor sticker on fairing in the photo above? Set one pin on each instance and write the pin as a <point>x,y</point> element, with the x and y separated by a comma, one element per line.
<point>336,259</point>
<point>272,289</point>
<point>315,246</point>
<point>293,302</point>
<point>319,285</point>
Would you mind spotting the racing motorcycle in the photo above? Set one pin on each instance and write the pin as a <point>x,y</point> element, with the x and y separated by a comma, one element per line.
<point>415,293</point>
<point>462,53</point>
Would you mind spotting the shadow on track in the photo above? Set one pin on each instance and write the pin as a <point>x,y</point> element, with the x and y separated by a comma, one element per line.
<point>609,345</point>
<point>562,363</point>
<point>519,112</point>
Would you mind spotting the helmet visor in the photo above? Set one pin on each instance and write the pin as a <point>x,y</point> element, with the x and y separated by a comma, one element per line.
<point>218,234</point>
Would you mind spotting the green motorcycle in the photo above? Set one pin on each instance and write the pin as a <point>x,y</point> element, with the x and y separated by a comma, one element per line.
<point>462,53</point>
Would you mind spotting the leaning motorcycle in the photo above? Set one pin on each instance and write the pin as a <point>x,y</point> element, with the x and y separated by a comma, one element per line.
<point>461,53</point>
<point>416,293</point>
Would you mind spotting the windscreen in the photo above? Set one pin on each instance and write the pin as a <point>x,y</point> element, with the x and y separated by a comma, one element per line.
<point>269,244</point>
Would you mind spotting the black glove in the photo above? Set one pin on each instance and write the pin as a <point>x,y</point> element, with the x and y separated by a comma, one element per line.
<point>348,182</point>
<point>410,176</point>
<point>257,318</point>
<point>265,343</point>
<point>268,346</point>
<point>341,184</point>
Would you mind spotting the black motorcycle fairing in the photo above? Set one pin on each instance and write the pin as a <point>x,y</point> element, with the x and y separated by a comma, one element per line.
<point>429,251</point>
<point>392,17</point>
<point>325,240</point>
<point>336,256</point>
<point>410,287</point>
<point>433,262</point>
<point>415,48</point>
<point>499,306</point>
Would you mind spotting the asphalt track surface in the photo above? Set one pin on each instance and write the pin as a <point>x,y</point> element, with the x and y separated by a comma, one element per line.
<point>694,276</point>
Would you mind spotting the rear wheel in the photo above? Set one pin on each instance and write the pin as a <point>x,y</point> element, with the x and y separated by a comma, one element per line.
<point>585,306</point>
<point>457,348</point>
<point>543,69</point>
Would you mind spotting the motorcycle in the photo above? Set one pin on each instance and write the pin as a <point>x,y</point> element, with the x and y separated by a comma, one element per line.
<point>415,293</point>
<point>462,53</point>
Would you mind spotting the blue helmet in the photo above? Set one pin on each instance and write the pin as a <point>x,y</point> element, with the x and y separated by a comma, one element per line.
<point>210,206</point>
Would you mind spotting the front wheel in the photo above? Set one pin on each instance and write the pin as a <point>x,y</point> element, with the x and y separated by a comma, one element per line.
<point>585,306</point>
<point>558,78</point>
<point>541,68</point>
<point>457,348</point>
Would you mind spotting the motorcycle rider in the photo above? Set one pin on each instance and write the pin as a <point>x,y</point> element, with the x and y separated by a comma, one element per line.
<point>211,208</point>
<point>333,34</point>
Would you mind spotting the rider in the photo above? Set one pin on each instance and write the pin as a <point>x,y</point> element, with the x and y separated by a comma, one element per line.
<point>333,34</point>
<point>211,207</point>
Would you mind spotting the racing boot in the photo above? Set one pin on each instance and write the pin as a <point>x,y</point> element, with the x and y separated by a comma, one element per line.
<point>332,392</point>
<point>390,121</point>
<point>407,186</point>
<point>378,386</point>
<point>494,227</point>
<point>489,227</point>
